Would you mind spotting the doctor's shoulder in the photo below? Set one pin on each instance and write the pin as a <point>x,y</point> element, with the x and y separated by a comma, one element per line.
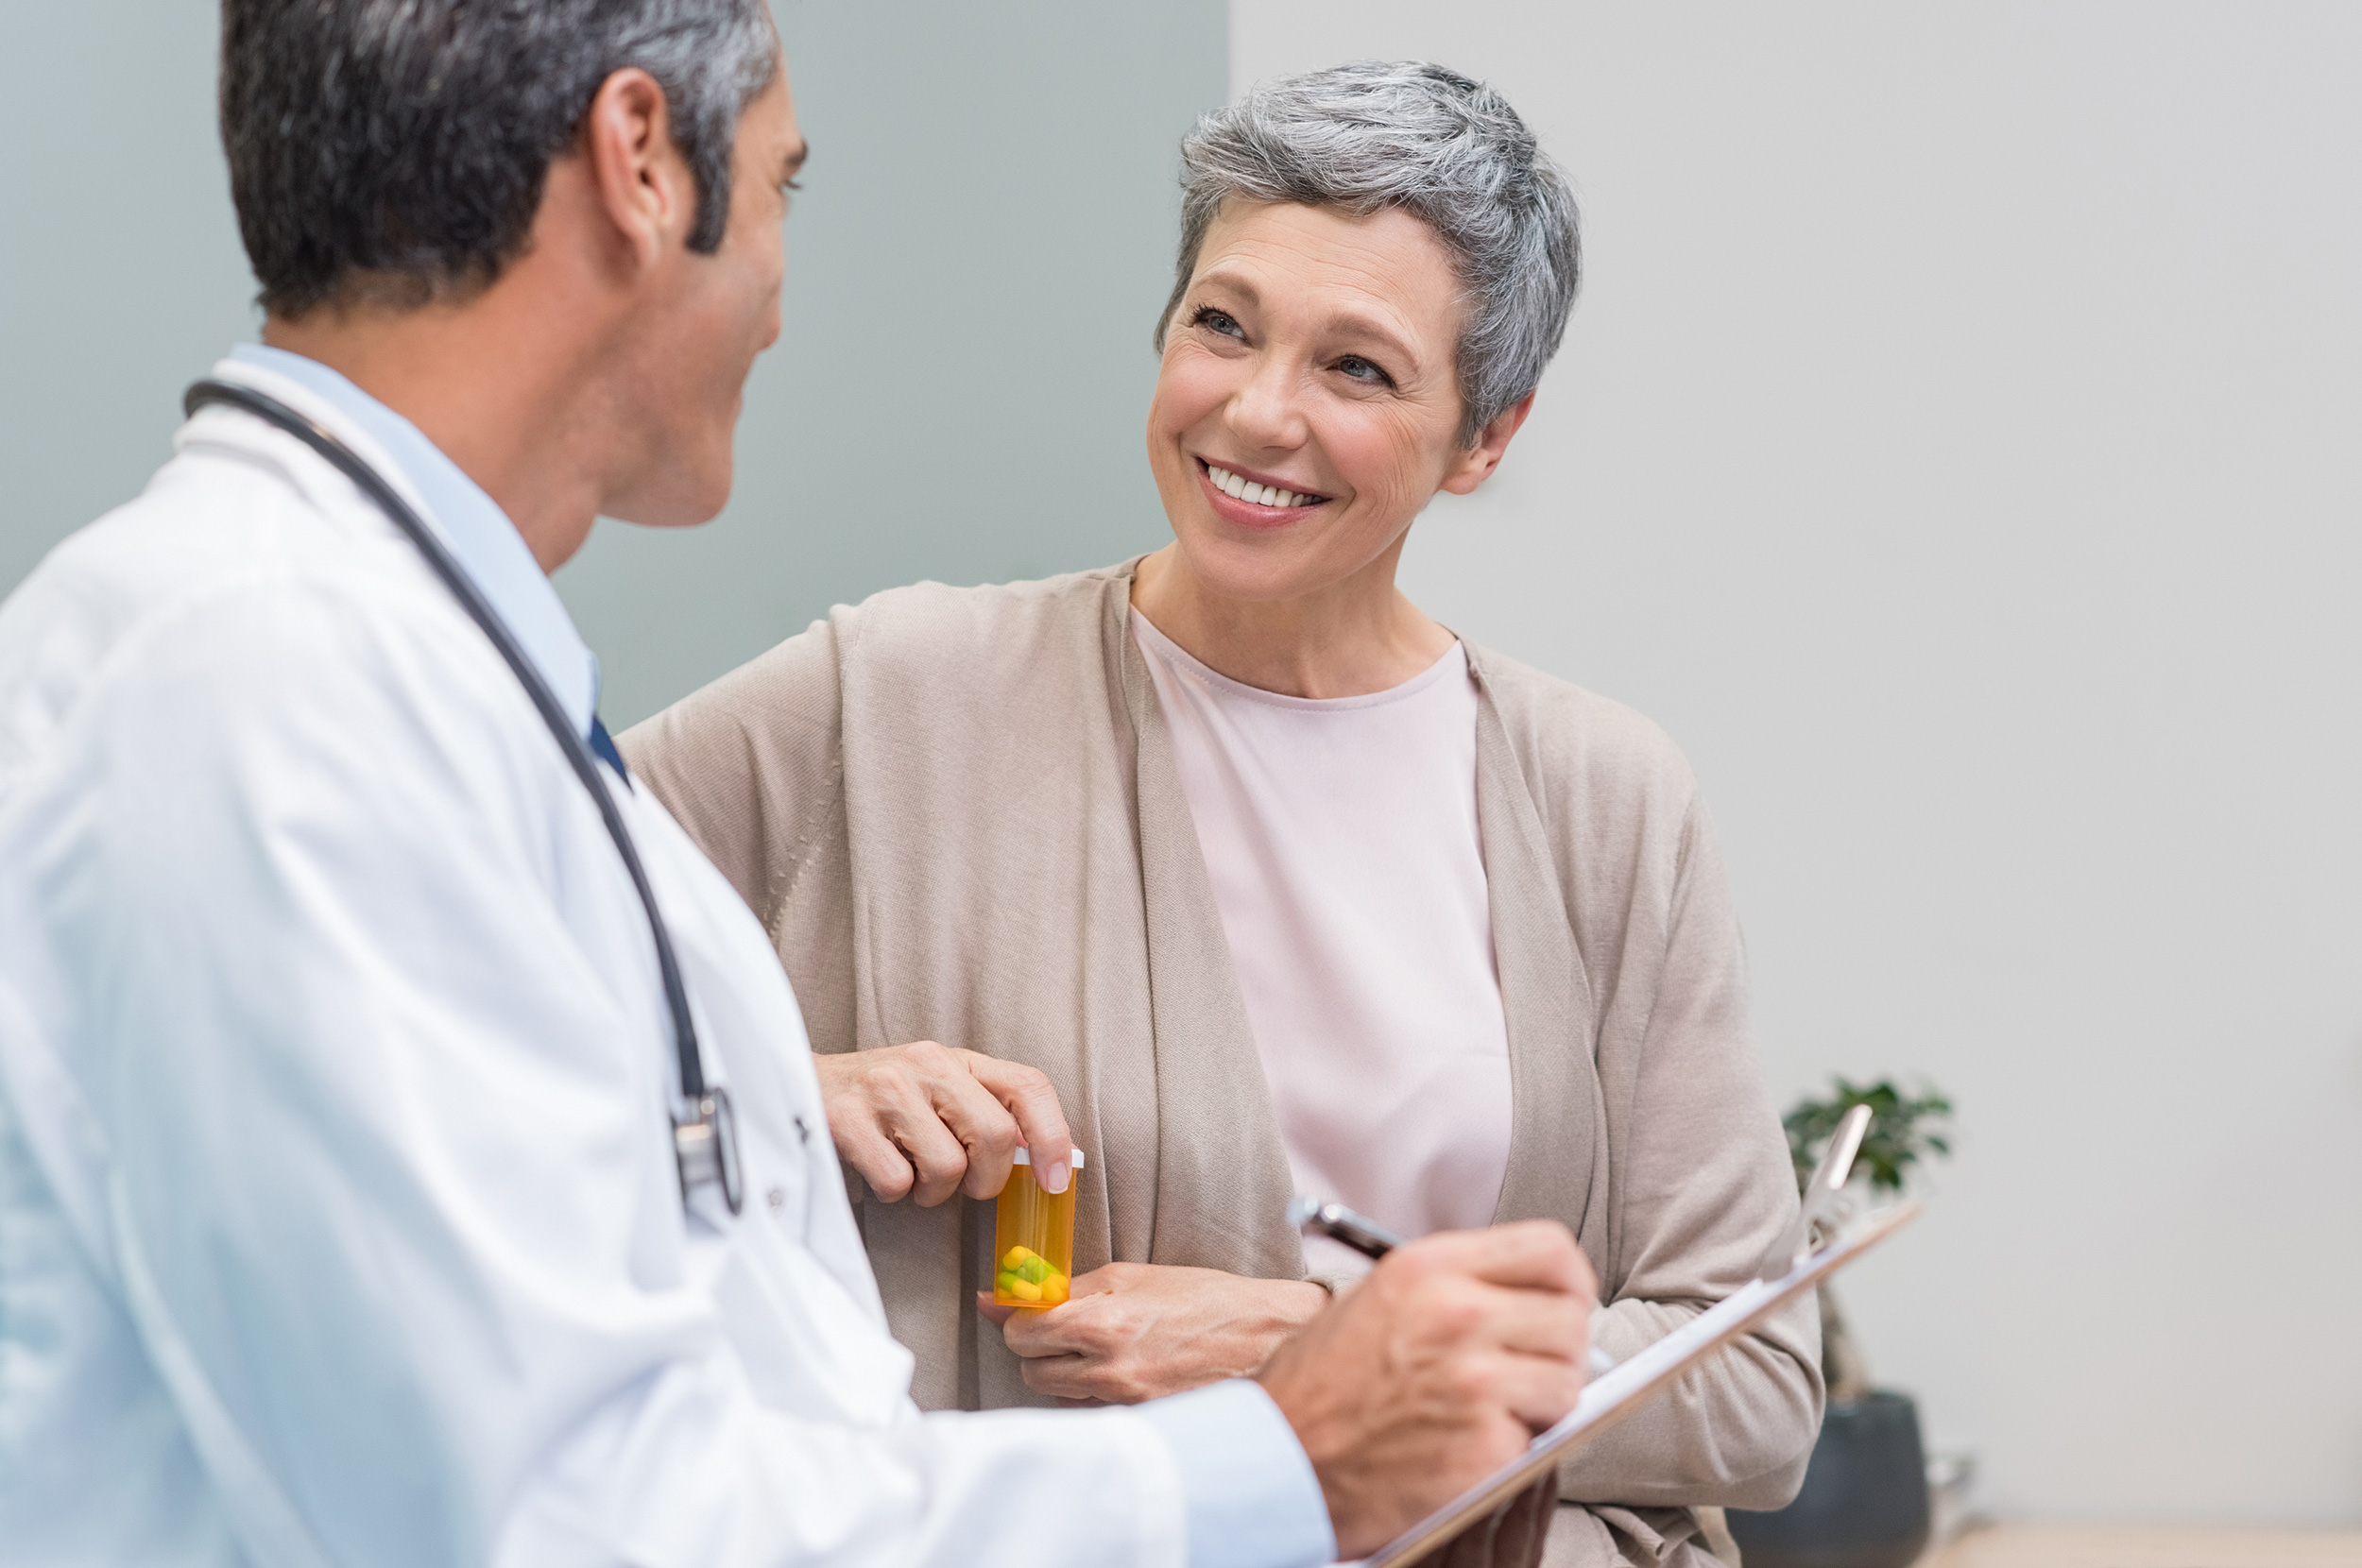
<point>225,605</point>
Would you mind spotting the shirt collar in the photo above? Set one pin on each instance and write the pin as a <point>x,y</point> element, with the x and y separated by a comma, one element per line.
<point>471,525</point>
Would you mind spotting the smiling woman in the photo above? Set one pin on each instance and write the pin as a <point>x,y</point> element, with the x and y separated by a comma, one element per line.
<point>1250,878</point>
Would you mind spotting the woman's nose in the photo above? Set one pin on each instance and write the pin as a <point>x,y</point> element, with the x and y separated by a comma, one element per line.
<point>1264,412</point>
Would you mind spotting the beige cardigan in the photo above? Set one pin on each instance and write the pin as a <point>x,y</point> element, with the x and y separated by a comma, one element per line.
<point>956,812</point>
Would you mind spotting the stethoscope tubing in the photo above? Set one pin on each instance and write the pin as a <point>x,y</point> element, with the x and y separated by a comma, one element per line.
<point>701,1100</point>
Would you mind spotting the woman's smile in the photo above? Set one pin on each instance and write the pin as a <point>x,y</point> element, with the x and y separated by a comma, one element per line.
<point>1253,501</point>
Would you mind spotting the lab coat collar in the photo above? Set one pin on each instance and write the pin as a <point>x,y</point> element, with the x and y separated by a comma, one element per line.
<point>470,522</point>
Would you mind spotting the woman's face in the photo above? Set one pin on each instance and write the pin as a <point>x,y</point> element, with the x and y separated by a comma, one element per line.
<point>1312,353</point>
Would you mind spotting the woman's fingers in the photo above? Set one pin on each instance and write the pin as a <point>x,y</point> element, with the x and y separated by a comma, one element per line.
<point>1026,1093</point>
<point>1035,1335</point>
<point>862,1144</point>
<point>1083,1326</point>
<point>853,1086</point>
<point>934,1135</point>
<point>926,1122</point>
<point>882,1114</point>
<point>1065,1376</point>
<point>1134,1331</point>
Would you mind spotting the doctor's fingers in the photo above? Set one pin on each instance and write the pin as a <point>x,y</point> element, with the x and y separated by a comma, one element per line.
<point>1027,1095</point>
<point>1448,1313</point>
<point>1537,1389</point>
<point>1532,1254</point>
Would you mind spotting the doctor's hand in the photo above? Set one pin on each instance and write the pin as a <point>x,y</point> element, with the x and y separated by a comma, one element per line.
<point>1437,1370</point>
<point>1134,1331</point>
<point>930,1121</point>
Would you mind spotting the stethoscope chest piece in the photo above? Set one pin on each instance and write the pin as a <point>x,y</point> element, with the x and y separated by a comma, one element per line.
<point>705,1143</point>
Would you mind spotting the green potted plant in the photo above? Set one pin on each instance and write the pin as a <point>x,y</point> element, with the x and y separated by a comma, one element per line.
<point>1864,1502</point>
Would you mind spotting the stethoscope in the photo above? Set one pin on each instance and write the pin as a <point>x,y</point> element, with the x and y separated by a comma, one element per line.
<point>705,1127</point>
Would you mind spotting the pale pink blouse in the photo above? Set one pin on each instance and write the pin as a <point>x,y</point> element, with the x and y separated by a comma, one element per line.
<point>1341,838</point>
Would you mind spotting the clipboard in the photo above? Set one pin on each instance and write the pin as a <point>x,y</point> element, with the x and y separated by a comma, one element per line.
<point>1613,1395</point>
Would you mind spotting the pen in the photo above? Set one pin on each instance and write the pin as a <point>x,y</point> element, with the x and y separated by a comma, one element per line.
<point>1372,1240</point>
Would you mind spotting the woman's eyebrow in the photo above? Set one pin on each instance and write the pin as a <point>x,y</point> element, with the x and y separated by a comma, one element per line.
<point>1235,284</point>
<point>1358,324</point>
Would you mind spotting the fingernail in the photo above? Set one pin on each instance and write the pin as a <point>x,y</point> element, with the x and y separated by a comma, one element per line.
<point>1054,1176</point>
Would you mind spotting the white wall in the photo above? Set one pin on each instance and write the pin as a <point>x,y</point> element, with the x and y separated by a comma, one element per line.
<point>1955,450</point>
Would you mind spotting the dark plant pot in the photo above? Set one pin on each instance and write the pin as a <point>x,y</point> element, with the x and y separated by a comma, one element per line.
<point>1864,1503</point>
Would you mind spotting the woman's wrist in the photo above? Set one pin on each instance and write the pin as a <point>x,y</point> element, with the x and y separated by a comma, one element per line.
<point>1291,1305</point>
<point>1334,1285</point>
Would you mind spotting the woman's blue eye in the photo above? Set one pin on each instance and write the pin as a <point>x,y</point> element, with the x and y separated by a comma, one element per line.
<point>1221,321</point>
<point>1361,369</point>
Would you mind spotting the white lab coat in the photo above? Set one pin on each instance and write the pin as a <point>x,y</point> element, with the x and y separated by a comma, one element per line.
<point>338,1221</point>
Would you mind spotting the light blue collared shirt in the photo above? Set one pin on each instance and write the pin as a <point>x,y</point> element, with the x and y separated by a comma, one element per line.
<point>470,523</point>
<point>1250,1493</point>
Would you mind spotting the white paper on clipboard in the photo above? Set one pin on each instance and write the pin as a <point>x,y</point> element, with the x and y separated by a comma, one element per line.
<point>1615,1394</point>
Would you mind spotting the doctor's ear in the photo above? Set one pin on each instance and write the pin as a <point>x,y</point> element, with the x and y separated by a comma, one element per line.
<point>638,179</point>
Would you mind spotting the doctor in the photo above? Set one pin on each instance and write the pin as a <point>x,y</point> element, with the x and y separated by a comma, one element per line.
<point>343,1217</point>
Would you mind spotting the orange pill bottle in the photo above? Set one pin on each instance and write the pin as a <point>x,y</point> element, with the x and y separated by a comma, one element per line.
<point>1032,1238</point>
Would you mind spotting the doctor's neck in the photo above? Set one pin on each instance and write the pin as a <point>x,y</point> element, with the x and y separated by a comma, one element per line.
<point>599,373</point>
<point>468,378</point>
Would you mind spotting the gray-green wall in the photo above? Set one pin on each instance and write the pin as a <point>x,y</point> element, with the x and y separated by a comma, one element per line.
<point>973,271</point>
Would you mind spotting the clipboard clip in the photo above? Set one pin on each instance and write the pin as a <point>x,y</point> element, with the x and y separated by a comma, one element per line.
<point>1826,1203</point>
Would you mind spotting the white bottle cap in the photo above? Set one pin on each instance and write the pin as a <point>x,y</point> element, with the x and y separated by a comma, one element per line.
<point>1024,1156</point>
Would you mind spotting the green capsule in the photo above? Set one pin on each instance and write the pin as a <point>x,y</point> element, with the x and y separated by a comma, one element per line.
<point>1035,1270</point>
<point>1005,1282</point>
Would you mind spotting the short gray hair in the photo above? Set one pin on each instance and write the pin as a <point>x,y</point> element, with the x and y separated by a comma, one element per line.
<point>1366,137</point>
<point>397,149</point>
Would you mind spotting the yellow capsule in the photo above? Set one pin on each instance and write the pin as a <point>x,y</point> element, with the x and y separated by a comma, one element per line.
<point>1024,1291</point>
<point>1054,1290</point>
<point>1016,1256</point>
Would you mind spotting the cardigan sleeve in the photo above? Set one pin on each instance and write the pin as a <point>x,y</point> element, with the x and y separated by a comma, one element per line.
<point>1696,1183</point>
<point>1701,1184</point>
<point>750,765</point>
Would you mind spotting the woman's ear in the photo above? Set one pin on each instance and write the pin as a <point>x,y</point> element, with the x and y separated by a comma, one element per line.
<point>1475,466</point>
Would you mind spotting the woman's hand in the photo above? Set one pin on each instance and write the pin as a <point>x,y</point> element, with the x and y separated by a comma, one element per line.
<point>928,1120</point>
<point>1136,1331</point>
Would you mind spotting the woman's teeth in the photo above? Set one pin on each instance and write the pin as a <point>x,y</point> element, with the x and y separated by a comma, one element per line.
<point>1263,495</point>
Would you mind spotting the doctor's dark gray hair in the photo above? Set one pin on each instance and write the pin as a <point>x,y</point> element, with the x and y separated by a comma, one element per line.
<point>1366,137</point>
<point>395,151</point>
